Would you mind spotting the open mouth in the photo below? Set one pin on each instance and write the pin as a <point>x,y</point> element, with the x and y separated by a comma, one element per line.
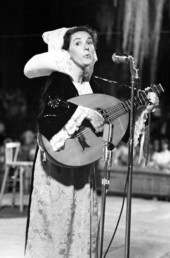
<point>88,56</point>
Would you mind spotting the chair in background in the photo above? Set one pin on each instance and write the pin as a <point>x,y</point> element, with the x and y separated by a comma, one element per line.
<point>18,168</point>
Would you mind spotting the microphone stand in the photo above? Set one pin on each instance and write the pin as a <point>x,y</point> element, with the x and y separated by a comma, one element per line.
<point>134,83</point>
<point>108,134</point>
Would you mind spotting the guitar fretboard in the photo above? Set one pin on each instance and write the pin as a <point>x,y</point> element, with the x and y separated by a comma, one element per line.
<point>122,108</point>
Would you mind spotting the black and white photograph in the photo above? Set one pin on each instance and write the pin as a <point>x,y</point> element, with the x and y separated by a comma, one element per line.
<point>85,129</point>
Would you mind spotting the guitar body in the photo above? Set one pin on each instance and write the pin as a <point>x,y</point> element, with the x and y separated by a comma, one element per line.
<point>79,153</point>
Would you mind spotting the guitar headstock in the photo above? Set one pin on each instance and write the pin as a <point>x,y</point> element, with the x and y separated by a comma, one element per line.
<point>142,94</point>
<point>157,88</point>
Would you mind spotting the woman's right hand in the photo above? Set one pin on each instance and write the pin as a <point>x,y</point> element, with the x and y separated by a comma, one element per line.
<point>96,119</point>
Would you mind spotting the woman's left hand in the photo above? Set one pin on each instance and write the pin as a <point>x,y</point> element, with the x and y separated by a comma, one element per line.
<point>153,101</point>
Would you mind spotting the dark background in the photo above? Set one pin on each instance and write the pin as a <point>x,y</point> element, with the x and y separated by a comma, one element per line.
<point>22,24</point>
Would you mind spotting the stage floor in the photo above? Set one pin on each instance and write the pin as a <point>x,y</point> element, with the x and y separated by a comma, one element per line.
<point>149,235</point>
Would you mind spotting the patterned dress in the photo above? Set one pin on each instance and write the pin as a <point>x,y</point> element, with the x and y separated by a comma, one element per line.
<point>63,215</point>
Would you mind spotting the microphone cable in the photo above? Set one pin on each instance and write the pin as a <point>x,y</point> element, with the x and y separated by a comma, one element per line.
<point>118,221</point>
<point>115,82</point>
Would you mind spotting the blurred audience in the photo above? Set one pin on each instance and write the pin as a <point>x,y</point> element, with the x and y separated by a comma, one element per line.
<point>154,148</point>
<point>2,132</point>
<point>160,160</point>
<point>28,146</point>
<point>26,153</point>
<point>121,155</point>
<point>2,138</point>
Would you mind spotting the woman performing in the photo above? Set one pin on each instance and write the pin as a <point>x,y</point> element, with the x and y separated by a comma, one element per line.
<point>63,211</point>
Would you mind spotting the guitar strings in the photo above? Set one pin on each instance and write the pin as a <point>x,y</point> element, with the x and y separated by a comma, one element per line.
<point>119,110</point>
<point>115,112</point>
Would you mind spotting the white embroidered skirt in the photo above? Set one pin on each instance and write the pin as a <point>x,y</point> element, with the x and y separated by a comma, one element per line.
<point>63,216</point>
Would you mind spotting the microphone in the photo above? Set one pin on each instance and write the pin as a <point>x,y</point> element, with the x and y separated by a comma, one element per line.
<point>120,58</point>
<point>108,137</point>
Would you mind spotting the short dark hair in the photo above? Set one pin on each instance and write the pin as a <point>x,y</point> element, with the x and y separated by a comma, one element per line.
<point>73,30</point>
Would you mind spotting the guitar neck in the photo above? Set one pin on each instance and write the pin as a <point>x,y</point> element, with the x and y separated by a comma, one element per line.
<point>122,108</point>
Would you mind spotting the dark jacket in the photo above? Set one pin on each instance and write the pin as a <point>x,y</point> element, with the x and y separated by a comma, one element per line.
<point>56,109</point>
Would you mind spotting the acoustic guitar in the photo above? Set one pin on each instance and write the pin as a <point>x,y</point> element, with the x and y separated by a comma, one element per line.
<point>86,146</point>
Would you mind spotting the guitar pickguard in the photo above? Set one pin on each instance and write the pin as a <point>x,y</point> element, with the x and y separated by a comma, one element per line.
<point>80,134</point>
<point>82,141</point>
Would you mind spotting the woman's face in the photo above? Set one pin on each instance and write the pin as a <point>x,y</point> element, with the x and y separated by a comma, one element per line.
<point>164,145</point>
<point>81,49</point>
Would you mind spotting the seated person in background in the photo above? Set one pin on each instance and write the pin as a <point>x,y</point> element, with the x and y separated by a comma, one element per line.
<point>27,153</point>
<point>2,149</point>
<point>121,155</point>
<point>161,160</point>
<point>154,148</point>
<point>2,132</point>
<point>28,146</point>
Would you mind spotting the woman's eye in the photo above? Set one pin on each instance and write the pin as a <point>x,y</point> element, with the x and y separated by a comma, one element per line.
<point>90,42</point>
<point>77,43</point>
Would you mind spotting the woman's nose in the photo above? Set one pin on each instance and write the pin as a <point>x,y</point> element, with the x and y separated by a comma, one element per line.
<point>86,46</point>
